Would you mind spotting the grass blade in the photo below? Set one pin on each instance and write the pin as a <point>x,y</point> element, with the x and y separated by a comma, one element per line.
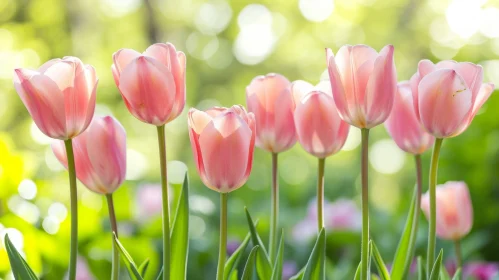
<point>435,272</point>
<point>380,264</point>
<point>132,269</point>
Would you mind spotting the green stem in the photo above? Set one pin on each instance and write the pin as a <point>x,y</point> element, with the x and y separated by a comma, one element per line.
<point>433,205</point>
<point>365,205</point>
<point>114,226</point>
<point>223,236</point>
<point>166,206</point>
<point>74,209</point>
<point>274,215</point>
<point>320,194</point>
<point>459,256</point>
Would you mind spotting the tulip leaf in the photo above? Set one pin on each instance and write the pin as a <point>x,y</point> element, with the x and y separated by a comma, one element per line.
<point>406,247</point>
<point>457,275</point>
<point>444,275</point>
<point>250,264</point>
<point>357,272</point>
<point>20,267</point>
<point>180,235</point>
<point>435,272</point>
<point>277,272</point>
<point>233,275</point>
<point>160,275</point>
<point>299,275</point>
<point>315,266</point>
<point>421,269</point>
<point>263,265</point>
<point>380,264</point>
<point>143,268</point>
<point>132,269</point>
<point>235,258</point>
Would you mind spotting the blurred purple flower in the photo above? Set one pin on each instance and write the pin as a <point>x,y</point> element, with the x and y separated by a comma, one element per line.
<point>83,271</point>
<point>232,246</point>
<point>476,270</point>
<point>148,201</point>
<point>289,269</point>
<point>341,215</point>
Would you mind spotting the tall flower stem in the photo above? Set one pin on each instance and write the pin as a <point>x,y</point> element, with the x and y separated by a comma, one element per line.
<point>223,236</point>
<point>166,206</point>
<point>274,215</point>
<point>433,204</point>
<point>114,226</point>
<point>74,209</point>
<point>459,256</point>
<point>365,204</point>
<point>320,194</point>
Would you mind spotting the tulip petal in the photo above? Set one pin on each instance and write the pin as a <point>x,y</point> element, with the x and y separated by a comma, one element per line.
<point>198,120</point>
<point>381,88</point>
<point>62,73</point>
<point>472,75</point>
<point>444,89</point>
<point>122,58</point>
<point>483,95</point>
<point>149,88</point>
<point>224,144</point>
<point>47,65</point>
<point>337,88</point>
<point>161,53</point>
<point>299,89</point>
<point>59,150</point>
<point>252,126</point>
<point>44,101</point>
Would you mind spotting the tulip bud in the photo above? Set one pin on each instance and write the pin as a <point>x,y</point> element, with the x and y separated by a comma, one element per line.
<point>363,83</point>
<point>454,87</point>
<point>222,142</point>
<point>319,128</point>
<point>152,84</point>
<point>269,98</point>
<point>100,155</point>
<point>60,96</point>
<point>454,210</point>
<point>403,124</point>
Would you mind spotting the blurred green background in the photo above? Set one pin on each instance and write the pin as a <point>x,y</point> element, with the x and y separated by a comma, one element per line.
<point>227,43</point>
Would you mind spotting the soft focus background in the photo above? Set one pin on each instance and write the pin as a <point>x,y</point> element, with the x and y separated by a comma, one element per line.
<point>227,43</point>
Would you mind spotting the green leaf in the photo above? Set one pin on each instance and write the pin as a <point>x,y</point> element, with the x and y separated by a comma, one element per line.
<point>421,269</point>
<point>406,247</point>
<point>457,275</point>
<point>180,235</point>
<point>233,275</point>
<point>357,272</point>
<point>250,264</point>
<point>444,275</point>
<point>160,275</point>
<point>234,259</point>
<point>299,275</point>
<point>132,269</point>
<point>435,272</point>
<point>277,273</point>
<point>20,267</point>
<point>315,266</point>
<point>143,268</point>
<point>380,264</point>
<point>263,265</point>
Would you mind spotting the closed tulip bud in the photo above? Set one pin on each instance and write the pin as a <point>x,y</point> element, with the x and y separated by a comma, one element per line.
<point>454,210</point>
<point>364,83</point>
<point>448,95</point>
<point>222,142</point>
<point>152,84</point>
<point>60,96</point>
<point>319,128</point>
<point>269,98</point>
<point>100,155</point>
<point>403,125</point>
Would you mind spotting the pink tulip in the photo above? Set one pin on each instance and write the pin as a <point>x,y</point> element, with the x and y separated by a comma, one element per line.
<point>100,155</point>
<point>364,83</point>
<point>222,141</point>
<point>454,210</point>
<point>60,96</point>
<point>319,128</point>
<point>269,98</point>
<point>403,124</point>
<point>152,84</point>
<point>448,95</point>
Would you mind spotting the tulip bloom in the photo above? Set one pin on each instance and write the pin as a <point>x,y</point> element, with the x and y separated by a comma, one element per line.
<point>403,124</point>
<point>457,87</point>
<point>100,155</point>
<point>60,96</point>
<point>319,128</point>
<point>152,84</point>
<point>363,83</point>
<point>269,98</point>
<point>454,210</point>
<point>222,141</point>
